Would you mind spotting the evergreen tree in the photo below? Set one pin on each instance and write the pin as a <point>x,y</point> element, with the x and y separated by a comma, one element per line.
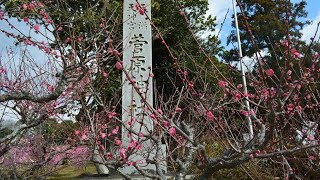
<point>270,21</point>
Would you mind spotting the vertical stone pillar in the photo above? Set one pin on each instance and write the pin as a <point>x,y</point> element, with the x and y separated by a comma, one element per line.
<point>137,62</point>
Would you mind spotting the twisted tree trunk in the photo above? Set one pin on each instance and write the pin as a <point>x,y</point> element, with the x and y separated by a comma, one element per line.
<point>98,161</point>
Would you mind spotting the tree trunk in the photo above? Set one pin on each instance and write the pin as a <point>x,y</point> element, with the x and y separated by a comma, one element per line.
<point>101,168</point>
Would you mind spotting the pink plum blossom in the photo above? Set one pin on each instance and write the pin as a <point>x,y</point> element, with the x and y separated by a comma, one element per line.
<point>109,155</point>
<point>237,96</point>
<point>36,28</point>
<point>160,111</point>
<point>222,84</point>
<point>118,142</point>
<point>140,134</point>
<point>24,7</point>
<point>31,6</point>
<point>172,131</point>
<point>77,132</point>
<point>137,6</point>
<point>25,19</point>
<point>290,107</point>
<point>269,72</point>
<point>295,53</point>
<point>131,145</point>
<point>152,116</point>
<point>123,155</point>
<point>116,53</point>
<point>141,11</point>
<point>83,136</point>
<point>27,41</point>
<point>166,124</point>
<point>103,135</point>
<point>210,115</point>
<point>105,74</point>
<point>50,88</point>
<point>115,130</point>
<point>138,146</point>
<point>119,65</point>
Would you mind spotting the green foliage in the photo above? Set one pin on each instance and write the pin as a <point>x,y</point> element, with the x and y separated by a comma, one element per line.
<point>4,132</point>
<point>270,22</point>
<point>255,169</point>
<point>58,133</point>
<point>178,36</point>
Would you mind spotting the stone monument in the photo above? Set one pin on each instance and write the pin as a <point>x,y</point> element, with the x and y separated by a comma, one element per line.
<point>137,89</point>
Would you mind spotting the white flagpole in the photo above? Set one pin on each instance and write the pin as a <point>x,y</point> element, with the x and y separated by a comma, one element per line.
<point>244,82</point>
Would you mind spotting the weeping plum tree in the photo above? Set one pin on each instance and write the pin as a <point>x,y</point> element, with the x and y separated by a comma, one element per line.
<point>202,122</point>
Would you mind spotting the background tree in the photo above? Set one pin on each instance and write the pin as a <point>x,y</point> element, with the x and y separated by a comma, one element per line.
<point>269,22</point>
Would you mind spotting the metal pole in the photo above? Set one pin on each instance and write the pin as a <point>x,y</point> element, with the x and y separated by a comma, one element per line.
<point>244,82</point>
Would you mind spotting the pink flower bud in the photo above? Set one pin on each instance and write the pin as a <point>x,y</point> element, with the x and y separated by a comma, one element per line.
<point>269,72</point>
<point>36,28</point>
<point>25,7</point>
<point>105,74</point>
<point>222,84</point>
<point>122,153</point>
<point>27,41</point>
<point>152,116</point>
<point>115,130</point>
<point>118,142</point>
<point>31,6</point>
<point>172,131</point>
<point>25,19</point>
<point>140,134</point>
<point>119,65</point>
<point>109,155</point>
<point>141,11</point>
<point>210,115</point>
<point>84,136</point>
<point>160,112</point>
<point>50,88</point>
<point>103,135</point>
<point>77,132</point>
<point>289,72</point>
